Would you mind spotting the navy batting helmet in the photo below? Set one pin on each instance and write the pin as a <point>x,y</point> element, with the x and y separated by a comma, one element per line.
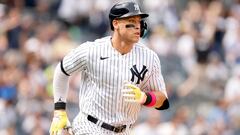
<point>127,9</point>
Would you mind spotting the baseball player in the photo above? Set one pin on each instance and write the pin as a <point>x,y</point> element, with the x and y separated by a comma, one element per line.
<point>119,75</point>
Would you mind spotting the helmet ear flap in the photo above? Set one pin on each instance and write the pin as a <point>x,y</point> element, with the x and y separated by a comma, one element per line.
<point>143,26</point>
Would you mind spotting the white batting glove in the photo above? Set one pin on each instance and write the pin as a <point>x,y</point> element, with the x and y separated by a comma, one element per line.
<point>132,93</point>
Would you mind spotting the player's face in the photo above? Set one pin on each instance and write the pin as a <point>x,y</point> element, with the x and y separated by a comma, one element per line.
<point>129,28</point>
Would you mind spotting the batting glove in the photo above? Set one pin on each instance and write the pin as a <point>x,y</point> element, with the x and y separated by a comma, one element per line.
<point>132,93</point>
<point>60,122</point>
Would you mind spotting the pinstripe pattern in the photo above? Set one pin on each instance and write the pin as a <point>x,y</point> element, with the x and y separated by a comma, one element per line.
<point>81,126</point>
<point>102,80</point>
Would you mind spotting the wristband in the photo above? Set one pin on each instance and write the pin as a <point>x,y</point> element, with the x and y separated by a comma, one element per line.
<point>60,106</point>
<point>148,99</point>
<point>151,99</point>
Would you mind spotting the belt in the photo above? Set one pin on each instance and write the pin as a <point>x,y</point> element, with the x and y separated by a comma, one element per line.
<point>107,126</point>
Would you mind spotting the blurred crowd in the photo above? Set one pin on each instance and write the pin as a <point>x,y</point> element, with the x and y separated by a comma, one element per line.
<point>197,41</point>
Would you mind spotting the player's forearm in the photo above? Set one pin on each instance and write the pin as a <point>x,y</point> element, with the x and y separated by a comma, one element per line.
<point>161,101</point>
<point>60,85</point>
<point>157,100</point>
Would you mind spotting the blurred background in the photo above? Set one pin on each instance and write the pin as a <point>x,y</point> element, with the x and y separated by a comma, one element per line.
<point>197,41</point>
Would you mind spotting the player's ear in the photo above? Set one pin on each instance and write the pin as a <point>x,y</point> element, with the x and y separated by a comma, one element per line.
<point>115,24</point>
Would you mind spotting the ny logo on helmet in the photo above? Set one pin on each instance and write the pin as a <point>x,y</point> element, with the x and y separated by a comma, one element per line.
<point>136,7</point>
<point>140,75</point>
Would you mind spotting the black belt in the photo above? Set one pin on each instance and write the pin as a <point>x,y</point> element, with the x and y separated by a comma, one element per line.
<point>107,126</point>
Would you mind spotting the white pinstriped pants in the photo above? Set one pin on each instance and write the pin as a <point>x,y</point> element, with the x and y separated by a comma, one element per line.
<point>82,126</point>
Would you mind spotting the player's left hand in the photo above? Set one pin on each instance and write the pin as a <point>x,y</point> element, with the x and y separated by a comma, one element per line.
<point>132,93</point>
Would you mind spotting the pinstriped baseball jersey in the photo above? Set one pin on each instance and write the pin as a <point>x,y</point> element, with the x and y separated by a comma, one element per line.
<point>103,72</point>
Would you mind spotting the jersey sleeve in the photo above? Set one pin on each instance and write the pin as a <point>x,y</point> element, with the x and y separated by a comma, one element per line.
<point>156,81</point>
<point>76,60</point>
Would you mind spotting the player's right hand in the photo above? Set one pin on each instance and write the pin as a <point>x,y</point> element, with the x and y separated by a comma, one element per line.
<point>59,123</point>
